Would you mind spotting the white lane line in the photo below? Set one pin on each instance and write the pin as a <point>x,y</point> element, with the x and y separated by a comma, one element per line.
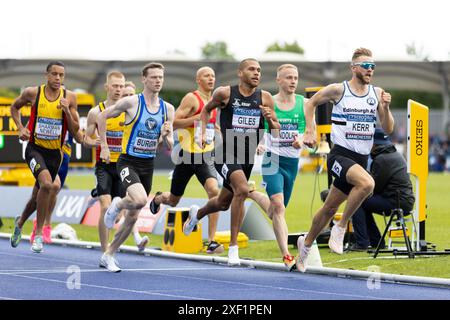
<point>115,288</point>
<point>7,298</point>
<point>37,257</point>
<point>281,288</point>
<point>55,271</point>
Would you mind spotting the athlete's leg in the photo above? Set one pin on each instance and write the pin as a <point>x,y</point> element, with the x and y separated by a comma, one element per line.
<point>363,187</point>
<point>44,197</point>
<point>103,231</point>
<point>321,219</point>
<point>30,207</point>
<point>56,185</point>
<point>180,178</point>
<point>167,198</point>
<point>239,183</point>
<point>261,199</point>
<point>134,201</point>
<point>212,189</point>
<point>219,203</point>
<point>277,214</point>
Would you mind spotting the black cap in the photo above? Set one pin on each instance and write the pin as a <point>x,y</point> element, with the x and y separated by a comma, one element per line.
<point>380,137</point>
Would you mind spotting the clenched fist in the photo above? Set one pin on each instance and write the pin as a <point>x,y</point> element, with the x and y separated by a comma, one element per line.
<point>309,139</point>
<point>64,104</point>
<point>166,129</point>
<point>385,99</point>
<point>266,112</point>
<point>105,154</point>
<point>24,134</point>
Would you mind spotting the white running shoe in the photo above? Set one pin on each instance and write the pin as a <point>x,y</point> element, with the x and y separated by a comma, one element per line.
<point>303,252</point>
<point>192,221</point>
<point>336,242</point>
<point>107,261</point>
<point>233,256</point>
<point>38,244</point>
<point>141,245</point>
<point>111,213</point>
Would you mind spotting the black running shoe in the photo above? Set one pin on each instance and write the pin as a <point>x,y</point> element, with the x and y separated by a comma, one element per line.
<point>154,208</point>
<point>214,247</point>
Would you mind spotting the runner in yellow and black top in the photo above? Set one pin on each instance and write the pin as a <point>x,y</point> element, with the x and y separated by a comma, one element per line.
<point>194,160</point>
<point>108,180</point>
<point>53,112</point>
<point>31,205</point>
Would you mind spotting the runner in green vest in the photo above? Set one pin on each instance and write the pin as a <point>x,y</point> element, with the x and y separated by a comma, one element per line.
<point>281,157</point>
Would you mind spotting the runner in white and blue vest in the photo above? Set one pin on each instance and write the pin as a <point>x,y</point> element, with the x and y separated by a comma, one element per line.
<point>357,106</point>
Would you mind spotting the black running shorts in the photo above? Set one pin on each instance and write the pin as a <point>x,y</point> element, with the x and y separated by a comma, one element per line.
<point>226,169</point>
<point>339,161</point>
<point>39,159</point>
<point>108,180</point>
<point>135,170</point>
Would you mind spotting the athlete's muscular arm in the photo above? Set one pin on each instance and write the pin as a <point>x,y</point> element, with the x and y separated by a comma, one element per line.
<point>167,129</point>
<point>27,96</point>
<point>69,107</point>
<point>79,136</point>
<point>219,99</point>
<point>90,138</point>
<point>268,111</point>
<point>123,105</point>
<point>386,118</point>
<point>298,142</point>
<point>184,117</point>
<point>332,92</point>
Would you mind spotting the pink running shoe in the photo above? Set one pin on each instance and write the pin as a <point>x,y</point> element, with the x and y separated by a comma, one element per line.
<point>33,233</point>
<point>47,233</point>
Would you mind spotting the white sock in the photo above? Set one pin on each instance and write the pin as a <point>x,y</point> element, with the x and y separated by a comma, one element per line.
<point>137,237</point>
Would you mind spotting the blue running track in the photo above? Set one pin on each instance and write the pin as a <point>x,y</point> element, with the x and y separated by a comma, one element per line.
<point>53,275</point>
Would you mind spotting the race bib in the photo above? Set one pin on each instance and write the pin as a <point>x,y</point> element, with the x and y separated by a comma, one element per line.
<point>114,140</point>
<point>145,143</point>
<point>209,133</point>
<point>245,120</point>
<point>288,134</point>
<point>48,128</point>
<point>360,126</point>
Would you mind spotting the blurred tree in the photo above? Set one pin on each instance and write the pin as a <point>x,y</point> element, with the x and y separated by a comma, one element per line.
<point>400,99</point>
<point>9,93</point>
<point>174,96</point>
<point>216,50</point>
<point>414,51</point>
<point>286,47</point>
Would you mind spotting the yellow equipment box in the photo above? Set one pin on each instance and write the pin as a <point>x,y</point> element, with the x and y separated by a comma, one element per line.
<point>397,232</point>
<point>338,216</point>
<point>174,238</point>
<point>21,177</point>
<point>223,237</point>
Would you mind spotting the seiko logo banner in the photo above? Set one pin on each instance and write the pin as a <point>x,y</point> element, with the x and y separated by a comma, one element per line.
<point>419,137</point>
